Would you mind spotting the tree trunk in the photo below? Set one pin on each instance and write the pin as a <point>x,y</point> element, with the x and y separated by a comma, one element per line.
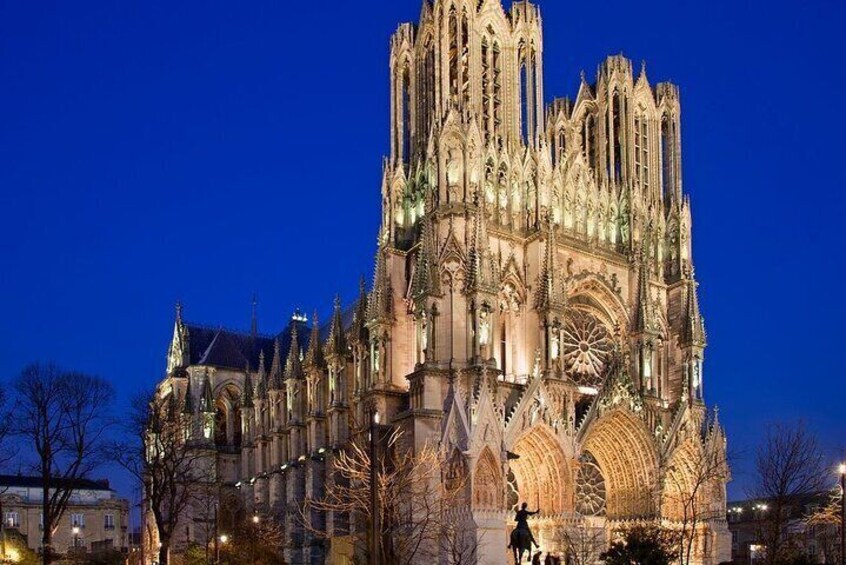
<point>46,526</point>
<point>164,550</point>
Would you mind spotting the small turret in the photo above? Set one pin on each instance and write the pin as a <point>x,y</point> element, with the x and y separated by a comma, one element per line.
<point>188,401</point>
<point>178,354</point>
<point>247,395</point>
<point>314,358</point>
<point>550,296</point>
<point>293,365</point>
<point>276,376</point>
<point>336,345</point>
<point>694,325</point>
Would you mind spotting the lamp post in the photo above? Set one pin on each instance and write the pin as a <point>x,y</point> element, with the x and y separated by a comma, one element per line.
<point>374,491</point>
<point>842,470</point>
<point>75,531</point>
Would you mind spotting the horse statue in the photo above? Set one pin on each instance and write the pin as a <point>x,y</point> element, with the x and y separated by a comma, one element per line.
<point>521,543</point>
<point>521,537</point>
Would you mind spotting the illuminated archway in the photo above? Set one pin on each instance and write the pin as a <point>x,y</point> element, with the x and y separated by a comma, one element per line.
<point>541,474</point>
<point>626,454</point>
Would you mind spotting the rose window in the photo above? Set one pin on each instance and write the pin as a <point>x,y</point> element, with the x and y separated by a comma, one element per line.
<point>587,348</point>
<point>590,489</point>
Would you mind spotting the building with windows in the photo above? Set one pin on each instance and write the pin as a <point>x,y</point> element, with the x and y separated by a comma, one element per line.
<point>810,528</point>
<point>533,312</point>
<point>96,518</point>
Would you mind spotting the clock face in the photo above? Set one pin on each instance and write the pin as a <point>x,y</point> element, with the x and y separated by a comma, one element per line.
<point>587,346</point>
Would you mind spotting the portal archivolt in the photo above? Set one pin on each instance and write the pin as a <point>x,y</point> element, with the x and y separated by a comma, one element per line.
<point>541,474</point>
<point>625,452</point>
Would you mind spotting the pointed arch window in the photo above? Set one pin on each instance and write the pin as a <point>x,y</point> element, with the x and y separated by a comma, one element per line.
<point>561,146</point>
<point>641,149</point>
<point>497,90</point>
<point>525,104</point>
<point>486,89</point>
<point>668,145</point>
<point>589,140</point>
<point>465,59</point>
<point>452,52</point>
<point>402,147</point>
<point>426,90</point>
<point>616,133</point>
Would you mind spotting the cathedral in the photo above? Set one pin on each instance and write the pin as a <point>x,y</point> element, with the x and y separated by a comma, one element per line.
<point>533,312</point>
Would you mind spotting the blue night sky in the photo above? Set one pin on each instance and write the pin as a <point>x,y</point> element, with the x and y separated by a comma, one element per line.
<point>204,151</point>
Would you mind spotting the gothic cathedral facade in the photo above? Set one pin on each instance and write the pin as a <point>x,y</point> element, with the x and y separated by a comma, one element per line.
<point>533,313</point>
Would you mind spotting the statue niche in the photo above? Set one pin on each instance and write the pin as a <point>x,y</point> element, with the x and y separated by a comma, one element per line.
<point>487,482</point>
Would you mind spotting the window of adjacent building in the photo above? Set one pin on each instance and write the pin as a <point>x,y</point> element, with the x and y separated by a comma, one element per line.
<point>77,520</point>
<point>12,520</point>
<point>109,521</point>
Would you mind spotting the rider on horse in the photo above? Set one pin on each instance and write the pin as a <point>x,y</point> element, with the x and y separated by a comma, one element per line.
<point>522,518</point>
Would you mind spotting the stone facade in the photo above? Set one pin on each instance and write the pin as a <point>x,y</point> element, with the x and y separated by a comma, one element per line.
<point>533,295</point>
<point>96,519</point>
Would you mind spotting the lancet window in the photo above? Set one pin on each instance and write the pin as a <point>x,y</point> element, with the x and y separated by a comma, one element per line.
<point>641,150</point>
<point>668,146</point>
<point>560,146</point>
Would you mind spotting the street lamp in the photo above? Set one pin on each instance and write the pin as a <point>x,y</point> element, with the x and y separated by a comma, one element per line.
<point>842,471</point>
<point>75,531</point>
<point>256,519</point>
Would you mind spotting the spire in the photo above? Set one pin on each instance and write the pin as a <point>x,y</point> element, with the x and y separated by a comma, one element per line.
<point>206,399</point>
<point>694,325</point>
<point>645,316</point>
<point>421,285</point>
<point>336,343</point>
<point>276,366</point>
<point>380,304</point>
<point>254,322</point>
<point>188,401</point>
<point>177,356</point>
<point>359,329</point>
<point>314,355</point>
<point>247,397</point>
<point>548,297</point>
<point>479,274</point>
<point>261,385</point>
<point>293,366</point>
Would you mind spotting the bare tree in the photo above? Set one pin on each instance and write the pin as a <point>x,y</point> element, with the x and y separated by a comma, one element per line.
<point>162,461</point>
<point>582,543</point>
<point>414,503</point>
<point>789,465</point>
<point>823,526</point>
<point>65,417</point>
<point>459,545</point>
<point>695,484</point>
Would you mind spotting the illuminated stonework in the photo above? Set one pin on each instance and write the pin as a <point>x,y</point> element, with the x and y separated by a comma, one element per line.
<point>533,310</point>
<point>590,488</point>
<point>587,348</point>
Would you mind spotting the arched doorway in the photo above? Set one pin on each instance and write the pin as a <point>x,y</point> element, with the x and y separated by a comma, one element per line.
<point>625,453</point>
<point>541,477</point>
<point>541,473</point>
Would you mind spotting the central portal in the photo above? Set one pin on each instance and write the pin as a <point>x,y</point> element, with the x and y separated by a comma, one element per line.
<point>542,478</point>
